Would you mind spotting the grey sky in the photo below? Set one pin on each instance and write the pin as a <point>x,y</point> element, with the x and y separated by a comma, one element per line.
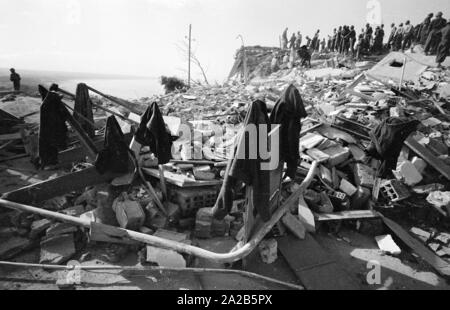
<point>140,36</point>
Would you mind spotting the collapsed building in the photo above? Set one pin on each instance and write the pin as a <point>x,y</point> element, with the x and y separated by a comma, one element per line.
<point>369,162</point>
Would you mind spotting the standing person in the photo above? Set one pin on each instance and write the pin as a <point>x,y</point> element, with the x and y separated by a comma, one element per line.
<point>274,62</point>
<point>308,42</point>
<point>315,41</point>
<point>359,46</point>
<point>292,41</point>
<point>416,34</point>
<point>338,39</point>
<point>379,39</point>
<point>398,38</point>
<point>323,45</point>
<point>15,78</point>
<point>407,35</point>
<point>434,35</point>
<point>392,37</point>
<point>333,40</point>
<point>444,47</point>
<point>425,29</point>
<point>298,42</point>
<point>284,39</point>
<point>345,39</point>
<point>368,36</point>
<point>352,37</point>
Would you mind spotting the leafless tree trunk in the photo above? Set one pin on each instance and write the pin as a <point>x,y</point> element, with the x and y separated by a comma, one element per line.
<point>184,49</point>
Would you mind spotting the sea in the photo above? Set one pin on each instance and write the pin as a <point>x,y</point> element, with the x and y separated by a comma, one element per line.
<point>122,88</point>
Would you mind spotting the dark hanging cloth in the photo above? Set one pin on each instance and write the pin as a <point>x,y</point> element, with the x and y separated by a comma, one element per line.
<point>245,168</point>
<point>115,155</point>
<point>387,141</point>
<point>444,47</point>
<point>152,132</point>
<point>287,112</point>
<point>53,129</point>
<point>83,106</point>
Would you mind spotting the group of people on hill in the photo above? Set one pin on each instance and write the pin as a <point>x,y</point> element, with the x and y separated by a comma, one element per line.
<point>433,34</point>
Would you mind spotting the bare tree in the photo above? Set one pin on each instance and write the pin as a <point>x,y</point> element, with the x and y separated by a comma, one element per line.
<point>184,50</point>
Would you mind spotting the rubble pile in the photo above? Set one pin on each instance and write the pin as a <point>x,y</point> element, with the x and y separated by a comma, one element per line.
<point>351,108</point>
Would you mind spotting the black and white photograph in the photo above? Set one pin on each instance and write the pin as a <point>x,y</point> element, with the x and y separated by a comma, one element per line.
<point>224,152</point>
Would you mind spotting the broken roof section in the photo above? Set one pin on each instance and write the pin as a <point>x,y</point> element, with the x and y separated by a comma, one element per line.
<point>391,68</point>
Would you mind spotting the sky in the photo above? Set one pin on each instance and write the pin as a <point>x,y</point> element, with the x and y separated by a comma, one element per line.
<point>142,37</point>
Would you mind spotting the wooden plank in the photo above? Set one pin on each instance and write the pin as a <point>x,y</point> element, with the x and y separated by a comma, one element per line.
<point>440,265</point>
<point>313,265</point>
<point>84,138</point>
<point>429,157</point>
<point>360,95</point>
<point>346,215</point>
<point>69,156</point>
<point>59,186</point>
<point>10,136</point>
<point>179,179</point>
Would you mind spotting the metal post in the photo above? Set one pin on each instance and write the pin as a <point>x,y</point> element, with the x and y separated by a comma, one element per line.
<point>244,55</point>
<point>189,61</point>
<point>403,74</point>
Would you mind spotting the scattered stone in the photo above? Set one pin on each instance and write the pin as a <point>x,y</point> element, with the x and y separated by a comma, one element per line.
<point>203,222</point>
<point>203,173</point>
<point>409,174</point>
<point>419,163</point>
<point>364,175</point>
<point>347,188</point>
<point>38,227</point>
<point>427,189</point>
<point>57,250</point>
<point>129,214</point>
<point>338,154</point>
<point>387,244</point>
<point>165,258</point>
<point>268,249</point>
<point>60,229</point>
<point>439,199</point>
<point>421,234</point>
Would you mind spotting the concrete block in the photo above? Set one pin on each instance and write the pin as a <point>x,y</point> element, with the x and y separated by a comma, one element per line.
<point>423,235</point>
<point>364,175</point>
<point>338,154</point>
<point>129,213</point>
<point>39,227</point>
<point>326,175</point>
<point>165,258</point>
<point>60,229</point>
<point>57,250</point>
<point>409,173</point>
<point>318,155</point>
<point>347,188</point>
<point>419,163</point>
<point>203,173</point>
<point>268,250</point>
<point>294,225</point>
<point>203,222</point>
<point>387,244</point>
<point>394,190</point>
<point>357,153</point>
<point>310,140</point>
